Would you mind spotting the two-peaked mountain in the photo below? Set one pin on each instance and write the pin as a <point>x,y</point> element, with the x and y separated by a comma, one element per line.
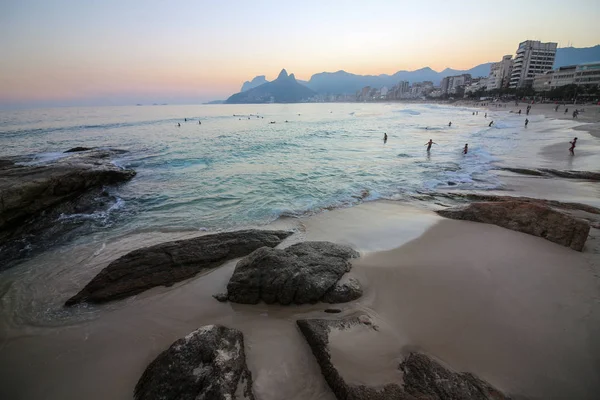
<point>284,89</point>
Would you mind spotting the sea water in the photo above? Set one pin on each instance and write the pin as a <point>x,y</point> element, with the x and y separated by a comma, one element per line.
<point>238,169</point>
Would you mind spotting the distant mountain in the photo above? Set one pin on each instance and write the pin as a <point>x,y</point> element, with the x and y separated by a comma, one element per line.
<point>573,55</point>
<point>215,102</point>
<point>342,82</point>
<point>257,81</point>
<point>284,89</point>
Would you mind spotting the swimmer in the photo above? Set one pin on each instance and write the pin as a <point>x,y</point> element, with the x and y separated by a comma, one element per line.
<point>466,149</point>
<point>428,144</point>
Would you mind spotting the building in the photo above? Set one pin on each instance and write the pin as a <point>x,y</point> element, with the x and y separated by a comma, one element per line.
<point>451,84</point>
<point>543,82</point>
<point>500,73</point>
<point>563,76</point>
<point>588,74</point>
<point>476,85</point>
<point>533,58</point>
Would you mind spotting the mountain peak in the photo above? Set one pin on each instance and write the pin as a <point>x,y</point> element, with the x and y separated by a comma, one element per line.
<point>283,74</point>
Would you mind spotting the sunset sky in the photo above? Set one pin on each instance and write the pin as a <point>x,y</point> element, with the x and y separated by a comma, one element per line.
<point>60,52</point>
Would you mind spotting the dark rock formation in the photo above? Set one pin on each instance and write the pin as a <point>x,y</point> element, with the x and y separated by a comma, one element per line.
<point>209,363</point>
<point>343,292</point>
<point>586,175</point>
<point>284,89</point>
<point>77,149</point>
<point>423,378</point>
<point>527,217</point>
<point>167,263</point>
<point>33,197</point>
<point>302,273</point>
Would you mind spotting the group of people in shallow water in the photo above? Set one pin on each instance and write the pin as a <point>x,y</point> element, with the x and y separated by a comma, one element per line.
<point>185,120</point>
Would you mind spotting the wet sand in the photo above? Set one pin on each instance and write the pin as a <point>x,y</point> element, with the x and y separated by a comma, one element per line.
<point>517,310</point>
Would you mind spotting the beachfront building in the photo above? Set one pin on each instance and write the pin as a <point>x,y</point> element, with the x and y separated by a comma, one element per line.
<point>500,72</point>
<point>452,84</point>
<point>563,76</point>
<point>533,58</point>
<point>543,82</point>
<point>476,85</point>
<point>588,74</point>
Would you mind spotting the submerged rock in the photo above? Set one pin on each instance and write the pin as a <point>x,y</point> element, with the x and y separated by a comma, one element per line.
<point>586,175</point>
<point>78,148</point>
<point>209,363</point>
<point>167,263</point>
<point>33,197</point>
<point>417,377</point>
<point>527,217</point>
<point>302,273</point>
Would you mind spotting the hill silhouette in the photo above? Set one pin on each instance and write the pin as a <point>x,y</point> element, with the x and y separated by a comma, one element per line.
<point>284,89</point>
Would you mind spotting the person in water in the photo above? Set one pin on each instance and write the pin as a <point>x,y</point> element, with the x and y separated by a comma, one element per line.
<point>526,122</point>
<point>466,149</point>
<point>485,115</point>
<point>572,148</point>
<point>178,124</point>
<point>428,144</point>
<point>491,123</point>
<point>199,122</point>
<point>384,138</point>
<point>185,120</point>
<point>519,112</point>
<point>450,123</point>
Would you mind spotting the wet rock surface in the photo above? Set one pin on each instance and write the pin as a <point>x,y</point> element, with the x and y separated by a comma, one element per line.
<point>167,263</point>
<point>34,196</point>
<point>303,273</point>
<point>209,363</point>
<point>585,175</point>
<point>528,217</point>
<point>421,377</point>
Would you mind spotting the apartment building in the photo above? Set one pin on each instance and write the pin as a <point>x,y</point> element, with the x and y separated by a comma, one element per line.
<point>532,58</point>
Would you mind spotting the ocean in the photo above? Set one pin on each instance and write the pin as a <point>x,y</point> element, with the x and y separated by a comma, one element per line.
<point>238,169</point>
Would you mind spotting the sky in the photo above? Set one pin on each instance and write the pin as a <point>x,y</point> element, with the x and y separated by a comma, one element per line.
<point>86,52</point>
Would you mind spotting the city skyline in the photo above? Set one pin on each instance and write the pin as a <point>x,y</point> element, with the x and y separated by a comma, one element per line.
<point>64,52</point>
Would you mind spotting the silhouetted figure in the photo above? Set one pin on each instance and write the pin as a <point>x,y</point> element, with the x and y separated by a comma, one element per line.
<point>566,110</point>
<point>526,122</point>
<point>519,112</point>
<point>384,138</point>
<point>185,120</point>
<point>572,148</point>
<point>466,149</point>
<point>428,144</point>
<point>473,112</point>
<point>199,122</point>
<point>178,124</point>
<point>491,123</point>
<point>485,115</point>
<point>450,123</point>
<point>575,114</point>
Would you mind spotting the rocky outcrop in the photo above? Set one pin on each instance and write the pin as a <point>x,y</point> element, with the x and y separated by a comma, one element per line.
<point>167,263</point>
<point>77,149</point>
<point>586,175</point>
<point>302,273</point>
<point>343,291</point>
<point>527,217</point>
<point>419,377</point>
<point>33,196</point>
<point>209,363</point>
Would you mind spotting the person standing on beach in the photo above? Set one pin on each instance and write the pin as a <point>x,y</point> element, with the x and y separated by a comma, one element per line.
<point>526,122</point>
<point>466,149</point>
<point>572,148</point>
<point>428,144</point>
<point>384,138</point>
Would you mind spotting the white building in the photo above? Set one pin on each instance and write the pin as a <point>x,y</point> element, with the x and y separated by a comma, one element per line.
<point>563,76</point>
<point>543,82</point>
<point>533,58</point>
<point>588,74</point>
<point>500,73</point>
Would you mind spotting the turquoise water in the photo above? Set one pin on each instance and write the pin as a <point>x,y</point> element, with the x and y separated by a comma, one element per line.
<point>234,171</point>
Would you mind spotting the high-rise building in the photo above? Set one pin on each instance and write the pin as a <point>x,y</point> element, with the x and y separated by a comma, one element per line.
<point>500,73</point>
<point>533,58</point>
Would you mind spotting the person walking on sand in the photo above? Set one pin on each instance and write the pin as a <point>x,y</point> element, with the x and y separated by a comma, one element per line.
<point>526,122</point>
<point>491,123</point>
<point>566,110</point>
<point>466,149</point>
<point>384,138</point>
<point>428,144</point>
<point>572,148</point>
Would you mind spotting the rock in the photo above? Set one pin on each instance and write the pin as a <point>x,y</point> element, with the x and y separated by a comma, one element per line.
<point>222,297</point>
<point>425,378</point>
<point>77,149</point>
<point>524,171</point>
<point>302,273</point>
<point>33,197</point>
<point>586,175</point>
<point>343,292</point>
<point>170,262</point>
<point>209,363</point>
<point>417,377</point>
<point>333,311</point>
<point>527,217</point>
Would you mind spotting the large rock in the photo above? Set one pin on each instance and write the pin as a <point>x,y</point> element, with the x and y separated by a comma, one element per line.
<point>170,262</point>
<point>360,377</point>
<point>532,218</point>
<point>33,196</point>
<point>585,175</point>
<point>302,273</point>
<point>209,363</point>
